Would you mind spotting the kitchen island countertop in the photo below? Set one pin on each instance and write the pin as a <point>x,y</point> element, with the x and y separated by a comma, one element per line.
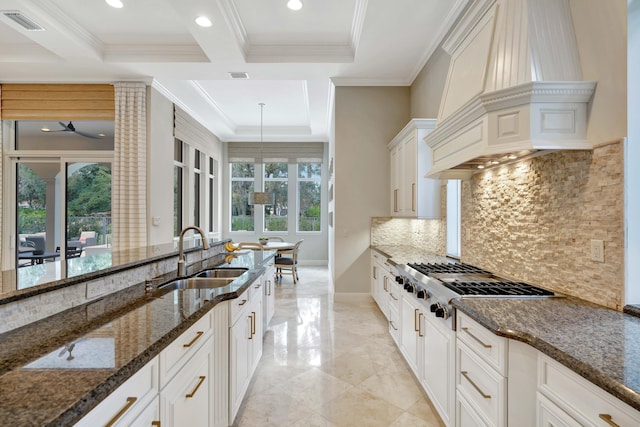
<point>54,371</point>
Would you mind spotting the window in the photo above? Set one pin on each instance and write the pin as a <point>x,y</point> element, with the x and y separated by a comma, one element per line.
<point>242,184</point>
<point>309,191</point>
<point>178,173</point>
<point>276,184</point>
<point>453,217</point>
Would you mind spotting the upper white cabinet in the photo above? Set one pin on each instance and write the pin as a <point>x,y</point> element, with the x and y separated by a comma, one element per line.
<point>412,194</point>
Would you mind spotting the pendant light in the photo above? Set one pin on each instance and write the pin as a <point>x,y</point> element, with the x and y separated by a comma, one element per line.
<point>260,197</point>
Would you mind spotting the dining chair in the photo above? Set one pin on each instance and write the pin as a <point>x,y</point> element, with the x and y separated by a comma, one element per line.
<point>286,264</point>
<point>275,239</point>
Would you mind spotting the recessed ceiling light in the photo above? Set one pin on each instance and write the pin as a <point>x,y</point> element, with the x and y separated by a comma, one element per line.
<point>203,21</point>
<point>45,129</point>
<point>115,3</point>
<point>294,4</point>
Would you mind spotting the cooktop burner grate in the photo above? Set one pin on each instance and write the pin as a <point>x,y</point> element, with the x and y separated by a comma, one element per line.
<point>428,268</point>
<point>496,289</point>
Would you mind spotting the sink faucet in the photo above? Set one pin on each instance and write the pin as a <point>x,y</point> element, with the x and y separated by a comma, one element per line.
<point>180,242</point>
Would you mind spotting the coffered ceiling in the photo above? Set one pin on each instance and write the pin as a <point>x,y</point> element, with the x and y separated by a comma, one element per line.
<point>291,57</point>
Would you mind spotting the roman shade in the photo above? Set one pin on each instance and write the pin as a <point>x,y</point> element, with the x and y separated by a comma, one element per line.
<point>190,131</point>
<point>276,152</point>
<point>57,102</point>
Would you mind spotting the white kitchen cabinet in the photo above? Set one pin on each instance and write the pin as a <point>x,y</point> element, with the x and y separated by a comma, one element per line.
<point>413,195</point>
<point>128,401</point>
<point>379,288</point>
<point>576,399</point>
<point>186,399</point>
<point>395,306</point>
<point>412,332</point>
<point>269,293</point>
<point>495,378</point>
<point>245,344</point>
<point>438,366</point>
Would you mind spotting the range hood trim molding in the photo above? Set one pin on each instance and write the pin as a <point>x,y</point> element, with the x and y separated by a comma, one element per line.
<point>525,107</point>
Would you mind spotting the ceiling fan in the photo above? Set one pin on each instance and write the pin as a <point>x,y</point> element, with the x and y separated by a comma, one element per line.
<point>71,128</point>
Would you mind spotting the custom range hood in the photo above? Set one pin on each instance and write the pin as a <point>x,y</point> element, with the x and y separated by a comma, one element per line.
<point>514,87</point>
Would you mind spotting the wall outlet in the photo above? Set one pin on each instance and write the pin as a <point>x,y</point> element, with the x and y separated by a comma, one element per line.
<point>597,250</point>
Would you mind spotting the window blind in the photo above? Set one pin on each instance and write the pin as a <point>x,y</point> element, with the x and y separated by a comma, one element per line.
<point>190,131</point>
<point>276,152</point>
<point>58,102</point>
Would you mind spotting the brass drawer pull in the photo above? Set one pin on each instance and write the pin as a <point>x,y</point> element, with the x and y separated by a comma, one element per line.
<point>253,323</point>
<point>250,317</point>
<point>476,338</point>
<point>392,325</point>
<point>415,319</point>
<point>193,393</point>
<point>244,301</point>
<point>392,296</point>
<point>608,419</point>
<point>420,334</point>
<point>125,408</point>
<point>466,375</point>
<point>198,335</point>
<point>155,423</point>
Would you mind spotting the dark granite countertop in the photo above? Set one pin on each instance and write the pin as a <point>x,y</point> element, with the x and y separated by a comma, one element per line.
<point>598,343</point>
<point>54,371</point>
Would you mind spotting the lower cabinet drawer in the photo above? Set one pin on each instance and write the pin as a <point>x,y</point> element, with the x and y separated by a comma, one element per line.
<point>173,358</point>
<point>238,306</point>
<point>581,399</point>
<point>128,401</point>
<point>550,415</point>
<point>466,416</point>
<point>481,385</point>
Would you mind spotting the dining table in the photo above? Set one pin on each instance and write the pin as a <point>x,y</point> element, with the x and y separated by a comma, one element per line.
<point>279,246</point>
<point>38,258</point>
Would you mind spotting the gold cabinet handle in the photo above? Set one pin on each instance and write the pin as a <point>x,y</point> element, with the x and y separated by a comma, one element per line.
<point>125,408</point>
<point>384,285</point>
<point>392,296</point>
<point>198,335</point>
<point>269,288</point>
<point>375,272</point>
<point>392,325</point>
<point>250,317</point>
<point>478,389</point>
<point>420,334</point>
<point>415,319</point>
<point>395,200</point>
<point>244,301</point>
<point>608,419</point>
<point>253,323</point>
<point>193,393</point>
<point>476,338</point>
<point>155,423</point>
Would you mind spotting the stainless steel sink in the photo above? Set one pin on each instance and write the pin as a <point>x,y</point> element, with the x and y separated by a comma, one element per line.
<point>198,283</point>
<point>222,272</point>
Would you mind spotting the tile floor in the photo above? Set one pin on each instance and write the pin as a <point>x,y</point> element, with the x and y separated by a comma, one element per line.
<point>329,363</point>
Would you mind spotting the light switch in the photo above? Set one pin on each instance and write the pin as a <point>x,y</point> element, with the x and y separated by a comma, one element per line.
<point>155,221</point>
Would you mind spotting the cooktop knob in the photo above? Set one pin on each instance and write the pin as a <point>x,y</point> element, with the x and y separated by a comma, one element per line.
<point>408,287</point>
<point>442,312</point>
<point>399,279</point>
<point>422,294</point>
<point>434,307</point>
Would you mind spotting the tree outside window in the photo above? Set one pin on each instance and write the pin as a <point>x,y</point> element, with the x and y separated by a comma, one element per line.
<point>242,184</point>
<point>309,195</point>
<point>276,184</point>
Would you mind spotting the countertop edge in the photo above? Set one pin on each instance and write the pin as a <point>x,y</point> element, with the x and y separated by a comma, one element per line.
<point>91,399</point>
<point>585,370</point>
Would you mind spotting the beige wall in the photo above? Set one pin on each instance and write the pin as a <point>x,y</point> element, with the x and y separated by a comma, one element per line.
<point>366,119</point>
<point>160,167</point>
<point>427,88</point>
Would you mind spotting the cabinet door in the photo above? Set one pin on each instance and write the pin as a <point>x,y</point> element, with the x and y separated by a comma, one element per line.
<point>239,359</point>
<point>411,316</point>
<point>438,360</point>
<point>256,335</point>
<point>150,416</point>
<point>409,175</point>
<point>550,415</point>
<point>466,416</point>
<point>185,401</point>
